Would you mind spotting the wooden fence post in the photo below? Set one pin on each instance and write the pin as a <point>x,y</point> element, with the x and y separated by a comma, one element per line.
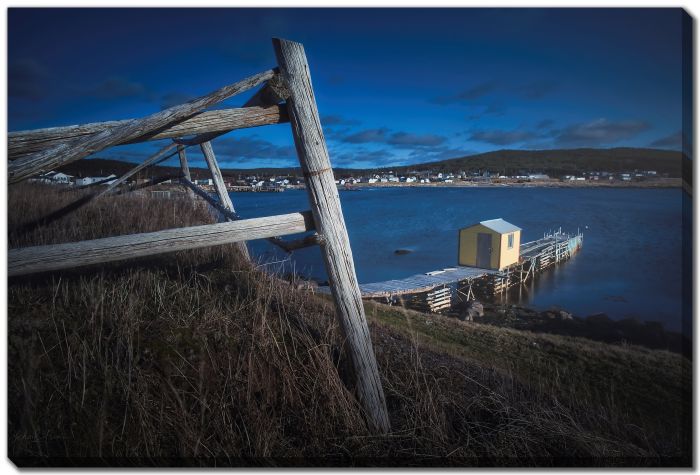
<point>220,187</point>
<point>330,224</point>
<point>185,168</point>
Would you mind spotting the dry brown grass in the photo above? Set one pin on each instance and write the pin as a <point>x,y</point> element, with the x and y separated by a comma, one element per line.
<point>195,358</point>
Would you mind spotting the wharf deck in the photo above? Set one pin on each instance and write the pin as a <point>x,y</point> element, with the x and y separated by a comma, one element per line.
<point>529,252</point>
<point>423,282</point>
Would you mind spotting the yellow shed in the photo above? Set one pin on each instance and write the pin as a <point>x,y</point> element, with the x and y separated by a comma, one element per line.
<point>492,244</point>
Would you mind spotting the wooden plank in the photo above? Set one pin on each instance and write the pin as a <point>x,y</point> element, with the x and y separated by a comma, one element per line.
<point>230,215</point>
<point>185,168</point>
<point>78,148</point>
<point>29,260</point>
<point>83,200</point>
<point>287,246</point>
<point>328,216</point>
<point>150,182</point>
<point>217,121</point>
<point>146,163</point>
<point>221,190</point>
<point>273,92</point>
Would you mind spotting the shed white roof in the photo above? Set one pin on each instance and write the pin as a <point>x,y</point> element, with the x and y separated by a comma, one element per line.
<point>499,225</point>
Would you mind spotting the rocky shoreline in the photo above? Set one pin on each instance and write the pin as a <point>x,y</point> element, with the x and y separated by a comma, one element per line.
<point>599,327</point>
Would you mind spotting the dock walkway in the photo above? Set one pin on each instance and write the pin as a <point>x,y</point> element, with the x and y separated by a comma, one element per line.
<point>537,254</point>
<point>423,282</point>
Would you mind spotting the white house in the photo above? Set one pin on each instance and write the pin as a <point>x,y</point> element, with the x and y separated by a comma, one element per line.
<point>205,181</point>
<point>89,180</point>
<point>54,178</point>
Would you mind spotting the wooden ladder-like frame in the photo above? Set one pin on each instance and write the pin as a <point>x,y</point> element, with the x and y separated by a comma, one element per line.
<point>286,95</point>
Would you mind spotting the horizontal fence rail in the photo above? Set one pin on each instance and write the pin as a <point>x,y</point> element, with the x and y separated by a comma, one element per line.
<point>211,122</point>
<point>30,260</point>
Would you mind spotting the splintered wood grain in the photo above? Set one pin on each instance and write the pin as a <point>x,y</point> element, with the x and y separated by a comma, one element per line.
<point>70,151</point>
<point>210,122</point>
<point>185,168</point>
<point>220,187</point>
<point>328,217</point>
<point>30,260</point>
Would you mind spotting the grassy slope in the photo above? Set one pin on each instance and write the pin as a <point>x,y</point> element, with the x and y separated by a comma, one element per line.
<point>639,387</point>
<point>204,359</point>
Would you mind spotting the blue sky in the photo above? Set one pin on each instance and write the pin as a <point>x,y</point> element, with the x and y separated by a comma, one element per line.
<point>393,86</point>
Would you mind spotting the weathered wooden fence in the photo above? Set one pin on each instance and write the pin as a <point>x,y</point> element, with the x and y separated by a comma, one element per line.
<point>286,95</point>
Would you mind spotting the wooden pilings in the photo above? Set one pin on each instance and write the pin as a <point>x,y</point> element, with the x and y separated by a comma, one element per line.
<point>328,216</point>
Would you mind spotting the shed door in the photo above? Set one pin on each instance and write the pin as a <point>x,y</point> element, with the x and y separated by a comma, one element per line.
<point>483,250</point>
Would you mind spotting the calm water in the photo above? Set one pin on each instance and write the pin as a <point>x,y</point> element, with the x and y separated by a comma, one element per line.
<point>630,264</point>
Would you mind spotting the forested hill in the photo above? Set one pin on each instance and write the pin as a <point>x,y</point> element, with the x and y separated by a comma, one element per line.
<point>508,162</point>
<point>561,162</point>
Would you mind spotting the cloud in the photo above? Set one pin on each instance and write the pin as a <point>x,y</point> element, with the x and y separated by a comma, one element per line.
<point>501,137</point>
<point>119,88</point>
<point>26,79</point>
<point>332,120</point>
<point>173,99</point>
<point>537,89</point>
<point>363,158</point>
<point>544,124</point>
<point>397,139</point>
<point>251,148</point>
<point>675,140</point>
<point>366,136</point>
<point>495,110</point>
<point>599,132</point>
<point>407,139</point>
<point>467,95</point>
<point>438,153</point>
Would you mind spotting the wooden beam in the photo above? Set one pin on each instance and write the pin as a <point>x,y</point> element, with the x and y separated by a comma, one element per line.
<point>185,168</point>
<point>328,216</point>
<point>217,121</point>
<point>273,92</point>
<point>30,260</point>
<point>83,200</point>
<point>158,156</point>
<point>76,149</point>
<point>220,187</point>
<point>230,215</point>
<point>287,246</point>
<point>150,182</point>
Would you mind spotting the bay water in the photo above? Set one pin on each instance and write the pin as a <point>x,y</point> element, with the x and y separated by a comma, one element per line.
<point>630,264</point>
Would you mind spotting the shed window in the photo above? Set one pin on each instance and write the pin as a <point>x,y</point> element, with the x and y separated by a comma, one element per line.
<point>510,240</point>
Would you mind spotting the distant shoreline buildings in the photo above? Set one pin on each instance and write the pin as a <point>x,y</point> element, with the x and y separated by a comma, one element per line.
<point>279,182</point>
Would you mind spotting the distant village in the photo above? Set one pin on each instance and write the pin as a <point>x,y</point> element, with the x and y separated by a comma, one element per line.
<point>276,183</point>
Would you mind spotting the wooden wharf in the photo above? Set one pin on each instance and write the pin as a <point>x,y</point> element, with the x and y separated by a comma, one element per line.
<point>435,291</point>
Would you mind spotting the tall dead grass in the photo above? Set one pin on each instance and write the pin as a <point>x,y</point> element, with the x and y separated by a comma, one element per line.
<point>195,358</point>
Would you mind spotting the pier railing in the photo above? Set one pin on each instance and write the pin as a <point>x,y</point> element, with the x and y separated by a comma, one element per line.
<point>285,95</point>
